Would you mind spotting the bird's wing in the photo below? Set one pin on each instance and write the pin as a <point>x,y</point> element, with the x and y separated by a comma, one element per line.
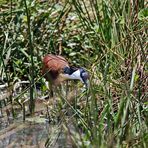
<point>54,63</point>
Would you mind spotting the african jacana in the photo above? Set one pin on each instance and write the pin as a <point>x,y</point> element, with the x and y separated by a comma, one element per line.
<point>56,69</point>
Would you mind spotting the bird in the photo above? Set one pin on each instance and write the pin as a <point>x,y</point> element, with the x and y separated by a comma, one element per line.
<point>56,69</point>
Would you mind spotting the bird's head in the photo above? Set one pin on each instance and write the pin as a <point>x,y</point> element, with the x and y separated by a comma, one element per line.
<point>77,73</point>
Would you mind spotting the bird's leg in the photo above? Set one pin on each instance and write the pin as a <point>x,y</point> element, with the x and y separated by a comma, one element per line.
<point>51,90</point>
<point>52,99</point>
<point>66,93</point>
<point>49,100</point>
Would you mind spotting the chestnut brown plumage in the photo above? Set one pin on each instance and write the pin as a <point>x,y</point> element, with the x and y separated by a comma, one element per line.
<point>53,66</point>
<point>56,69</point>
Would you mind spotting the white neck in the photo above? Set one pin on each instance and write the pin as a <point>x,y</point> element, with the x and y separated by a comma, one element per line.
<point>75,75</point>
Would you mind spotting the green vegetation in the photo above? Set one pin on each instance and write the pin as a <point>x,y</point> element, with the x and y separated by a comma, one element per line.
<point>109,39</point>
